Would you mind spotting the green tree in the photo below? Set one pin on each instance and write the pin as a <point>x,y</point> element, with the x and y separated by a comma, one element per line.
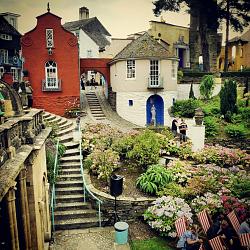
<point>207,86</point>
<point>191,92</point>
<point>228,98</point>
<point>236,13</point>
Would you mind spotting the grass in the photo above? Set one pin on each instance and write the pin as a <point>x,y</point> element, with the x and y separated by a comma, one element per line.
<point>150,244</point>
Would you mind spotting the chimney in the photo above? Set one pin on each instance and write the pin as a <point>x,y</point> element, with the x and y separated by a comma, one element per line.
<point>83,13</point>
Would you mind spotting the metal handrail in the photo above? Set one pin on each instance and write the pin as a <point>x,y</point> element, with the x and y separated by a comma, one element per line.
<point>85,188</point>
<point>53,192</point>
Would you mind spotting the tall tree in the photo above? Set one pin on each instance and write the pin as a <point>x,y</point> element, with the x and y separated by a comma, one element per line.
<point>236,13</point>
<point>207,18</point>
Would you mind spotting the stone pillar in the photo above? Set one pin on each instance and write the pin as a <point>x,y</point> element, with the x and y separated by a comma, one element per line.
<point>11,206</point>
<point>24,208</point>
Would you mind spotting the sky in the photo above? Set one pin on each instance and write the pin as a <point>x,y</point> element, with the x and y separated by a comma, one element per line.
<point>119,17</point>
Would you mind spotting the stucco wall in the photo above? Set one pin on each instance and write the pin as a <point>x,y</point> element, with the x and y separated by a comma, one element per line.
<point>137,113</point>
<point>120,83</point>
<point>86,43</point>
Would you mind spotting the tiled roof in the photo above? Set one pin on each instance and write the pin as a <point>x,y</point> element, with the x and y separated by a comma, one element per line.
<point>6,28</point>
<point>93,28</point>
<point>244,38</point>
<point>143,47</point>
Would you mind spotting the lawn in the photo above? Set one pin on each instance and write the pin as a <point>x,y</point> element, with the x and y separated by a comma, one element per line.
<point>155,243</point>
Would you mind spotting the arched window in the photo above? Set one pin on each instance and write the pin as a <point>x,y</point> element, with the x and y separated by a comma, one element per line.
<point>233,53</point>
<point>51,75</point>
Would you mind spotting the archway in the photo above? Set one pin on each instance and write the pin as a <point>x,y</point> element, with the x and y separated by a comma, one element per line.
<point>158,103</point>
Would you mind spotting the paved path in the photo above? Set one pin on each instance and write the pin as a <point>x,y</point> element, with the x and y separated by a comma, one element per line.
<point>92,238</point>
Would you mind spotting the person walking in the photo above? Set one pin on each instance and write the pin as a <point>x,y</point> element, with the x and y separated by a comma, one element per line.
<point>29,92</point>
<point>92,83</point>
<point>183,131</point>
<point>174,126</point>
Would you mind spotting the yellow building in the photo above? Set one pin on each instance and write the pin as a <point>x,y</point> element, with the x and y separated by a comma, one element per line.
<point>175,38</point>
<point>238,53</point>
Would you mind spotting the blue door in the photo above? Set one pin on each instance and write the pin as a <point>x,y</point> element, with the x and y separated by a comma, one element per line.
<point>157,102</point>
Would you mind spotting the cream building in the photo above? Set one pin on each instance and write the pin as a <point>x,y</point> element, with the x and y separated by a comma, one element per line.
<point>143,78</point>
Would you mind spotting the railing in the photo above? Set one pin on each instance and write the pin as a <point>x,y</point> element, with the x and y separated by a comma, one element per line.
<point>57,85</point>
<point>53,192</point>
<point>85,188</point>
<point>155,82</point>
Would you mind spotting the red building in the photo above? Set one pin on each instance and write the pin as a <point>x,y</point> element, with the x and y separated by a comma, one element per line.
<point>51,62</point>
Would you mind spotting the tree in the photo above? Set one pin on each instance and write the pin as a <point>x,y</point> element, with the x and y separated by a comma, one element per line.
<point>228,98</point>
<point>236,13</point>
<point>206,12</point>
<point>191,92</point>
<point>207,86</point>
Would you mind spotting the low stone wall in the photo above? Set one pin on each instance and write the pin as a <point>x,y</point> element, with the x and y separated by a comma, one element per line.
<point>128,208</point>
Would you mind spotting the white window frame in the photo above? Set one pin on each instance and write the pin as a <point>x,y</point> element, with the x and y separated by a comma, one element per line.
<point>51,75</point>
<point>174,70</point>
<point>154,75</point>
<point>130,70</point>
<point>1,71</point>
<point>14,73</point>
<point>49,38</point>
<point>4,55</point>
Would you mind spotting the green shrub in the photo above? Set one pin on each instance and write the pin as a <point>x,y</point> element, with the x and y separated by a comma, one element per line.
<point>207,86</point>
<point>245,114</point>
<point>236,131</point>
<point>240,187</point>
<point>172,189</point>
<point>211,126</point>
<point>154,179</point>
<point>146,149</point>
<point>185,108</point>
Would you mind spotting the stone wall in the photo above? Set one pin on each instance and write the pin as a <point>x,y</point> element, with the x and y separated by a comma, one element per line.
<point>128,208</point>
<point>112,98</point>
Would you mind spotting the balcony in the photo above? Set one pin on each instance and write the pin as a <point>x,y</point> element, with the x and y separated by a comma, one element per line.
<point>11,61</point>
<point>155,82</point>
<point>51,85</point>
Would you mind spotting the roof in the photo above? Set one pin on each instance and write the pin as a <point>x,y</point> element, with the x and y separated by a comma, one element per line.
<point>143,47</point>
<point>7,28</point>
<point>244,38</point>
<point>170,24</point>
<point>93,28</point>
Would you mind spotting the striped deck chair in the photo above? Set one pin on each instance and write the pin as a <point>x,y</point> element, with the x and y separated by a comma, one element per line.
<point>217,243</point>
<point>245,240</point>
<point>180,226</point>
<point>204,220</point>
<point>234,221</point>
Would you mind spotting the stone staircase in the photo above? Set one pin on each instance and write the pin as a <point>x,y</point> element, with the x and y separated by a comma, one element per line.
<point>94,106</point>
<point>71,212</point>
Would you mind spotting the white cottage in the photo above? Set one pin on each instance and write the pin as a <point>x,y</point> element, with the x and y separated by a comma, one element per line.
<point>144,78</point>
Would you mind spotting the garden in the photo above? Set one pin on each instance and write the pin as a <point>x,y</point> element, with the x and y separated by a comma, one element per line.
<point>216,178</point>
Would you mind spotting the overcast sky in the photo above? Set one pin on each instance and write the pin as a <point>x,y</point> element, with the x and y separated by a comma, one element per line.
<point>119,17</point>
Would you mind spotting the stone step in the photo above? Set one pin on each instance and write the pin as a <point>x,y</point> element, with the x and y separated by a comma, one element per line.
<point>69,177</point>
<point>72,205</point>
<point>66,138</point>
<point>52,118</point>
<point>95,108</point>
<point>69,198</point>
<point>76,223</point>
<point>100,118</point>
<point>71,152</point>
<point>46,114</point>
<point>69,190</point>
<point>61,184</point>
<point>70,171</point>
<point>75,158</point>
<point>68,165</point>
<point>74,214</point>
<point>70,145</point>
<point>65,131</point>
<point>64,123</point>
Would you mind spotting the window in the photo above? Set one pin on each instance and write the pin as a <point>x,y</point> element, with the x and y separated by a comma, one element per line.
<point>51,75</point>
<point>77,34</point>
<point>12,22</point>
<point>5,37</point>
<point>14,73</point>
<point>131,69</point>
<point>233,53</point>
<point>1,72</point>
<point>154,73</point>
<point>49,38</point>
<point>4,55</point>
<point>241,52</point>
<point>89,53</point>
<point>130,103</point>
<point>173,72</point>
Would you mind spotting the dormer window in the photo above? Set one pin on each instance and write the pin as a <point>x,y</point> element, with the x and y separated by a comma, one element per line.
<point>49,38</point>
<point>5,37</point>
